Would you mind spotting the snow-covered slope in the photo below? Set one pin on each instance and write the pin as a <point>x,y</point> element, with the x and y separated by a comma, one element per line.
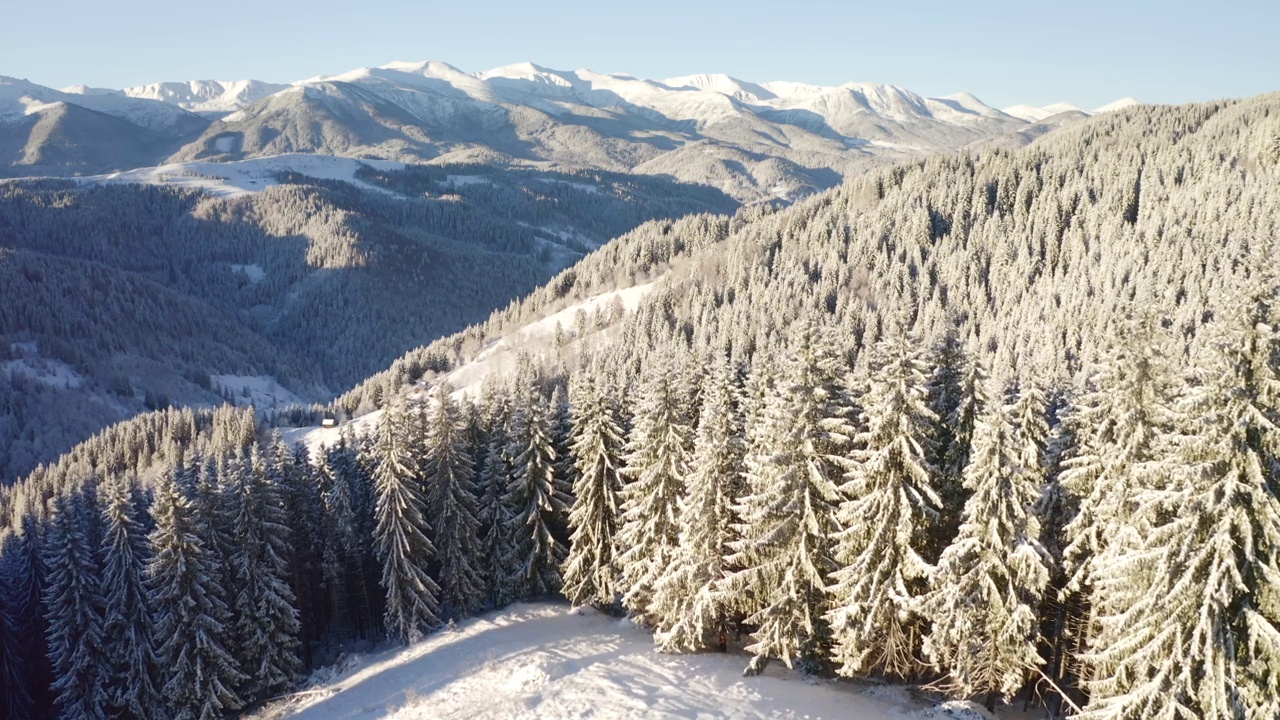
<point>243,177</point>
<point>497,357</point>
<point>22,97</point>
<point>1033,114</point>
<point>546,660</point>
<point>752,140</point>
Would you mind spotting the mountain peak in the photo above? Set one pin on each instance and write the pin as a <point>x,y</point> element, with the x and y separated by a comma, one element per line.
<point>1120,104</point>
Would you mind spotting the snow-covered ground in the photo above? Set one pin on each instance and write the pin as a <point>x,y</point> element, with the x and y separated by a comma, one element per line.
<point>245,177</point>
<point>258,390</point>
<point>547,660</point>
<point>498,356</point>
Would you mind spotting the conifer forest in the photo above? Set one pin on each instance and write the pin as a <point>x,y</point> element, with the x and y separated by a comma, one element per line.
<point>1000,425</point>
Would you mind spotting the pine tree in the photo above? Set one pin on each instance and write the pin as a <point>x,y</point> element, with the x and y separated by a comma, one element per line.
<point>657,462</point>
<point>1125,417</point>
<point>590,571</point>
<point>449,473</point>
<point>784,558</point>
<point>412,597</point>
<point>687,601</point>
<point>495,517</point>
<point>16,700</point>
<point>266,628</point>
<point>1201,636</point>
<point>990,581</point>
<point>536,497</point>
<point>293,473</point>
<point>134,689</point>
<point>892,503</point>
<point>199,672</point>
<point>74,608</point>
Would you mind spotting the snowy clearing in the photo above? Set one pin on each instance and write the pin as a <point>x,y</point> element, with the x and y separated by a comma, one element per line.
<point>254,272</point>
<point>52,373</point>
<point>258,390</point>
<point>546,660</point>
<point>246,177</point>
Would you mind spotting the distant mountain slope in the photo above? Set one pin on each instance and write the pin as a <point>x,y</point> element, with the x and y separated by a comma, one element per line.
<point>752,141</point>
<point>119,297</point>
<point>50,132</point>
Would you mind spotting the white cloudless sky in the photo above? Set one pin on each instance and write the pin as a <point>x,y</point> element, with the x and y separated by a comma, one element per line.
<point>1087,52</point>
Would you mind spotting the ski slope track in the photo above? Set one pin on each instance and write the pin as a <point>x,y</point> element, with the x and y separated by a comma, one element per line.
<point>547,660</point>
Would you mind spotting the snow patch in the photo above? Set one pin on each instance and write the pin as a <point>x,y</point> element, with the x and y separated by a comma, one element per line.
<point>246,177</point>
<point>254,272</point>
<point>261,391</point>
<point>52,373</point>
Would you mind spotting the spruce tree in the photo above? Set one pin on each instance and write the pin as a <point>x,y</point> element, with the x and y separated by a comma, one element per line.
<point>199,671</point>
<point>16,699</point>
<point>887,518</point>
<point>449,473</point>
<point>784,557</point>
<point>1200,637</point>
<point>657,462</point>
<point>535,496</point>
<point>494,515</point>
<point>591,571</point>
<point>74,608</point>
<point>989,584</point>
<point>1126,416</point>
<point>690,608</point>
<point>412,597</point>
<point>266,628</point>
<point>134,690</point>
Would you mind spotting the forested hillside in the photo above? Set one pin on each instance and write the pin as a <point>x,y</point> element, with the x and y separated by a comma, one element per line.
<point>121,298</point>
<point>1002,424</point>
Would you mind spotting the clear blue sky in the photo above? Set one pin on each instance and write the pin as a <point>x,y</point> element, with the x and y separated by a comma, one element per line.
<point>1088,52</point>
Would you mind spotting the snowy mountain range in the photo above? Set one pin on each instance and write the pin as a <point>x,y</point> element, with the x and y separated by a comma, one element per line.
<point>751,140</point>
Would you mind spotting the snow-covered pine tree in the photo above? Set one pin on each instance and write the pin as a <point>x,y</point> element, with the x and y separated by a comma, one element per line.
<point>133,688</point>
<point>891,505</point>
<point>1201,637</point>
<point>266,626</point>
<point>783,558</point>
<point>400,540</point>
<point>657,462</point>
<point>1031,429</point>
<point>692,613</point>
<point>74,608</point>
<point>1124,417</point>
<point>16,700</point>
<point>987,590</point>
<point>535,496</point>
<point>590,572</point>
<point>449,473</point>
<point>496,531</point>
<point>199,672</point>
<point>23,582</point>
<point>956,392</point>
<point>292,472</point>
